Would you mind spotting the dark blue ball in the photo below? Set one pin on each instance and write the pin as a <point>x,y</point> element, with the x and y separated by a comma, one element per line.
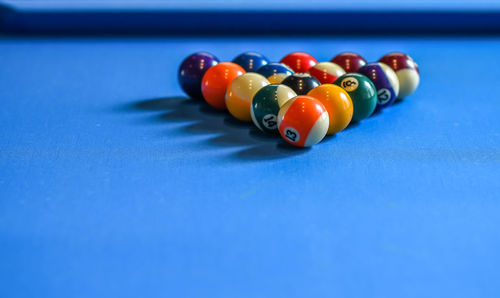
<point>192,70</point>
<point>251,61</point>
<point>275,72</point>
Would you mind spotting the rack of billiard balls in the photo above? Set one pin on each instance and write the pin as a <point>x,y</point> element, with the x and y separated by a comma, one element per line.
<point>298,97</point>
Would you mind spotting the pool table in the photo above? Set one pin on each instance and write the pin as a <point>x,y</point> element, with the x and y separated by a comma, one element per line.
<point>114,184</point>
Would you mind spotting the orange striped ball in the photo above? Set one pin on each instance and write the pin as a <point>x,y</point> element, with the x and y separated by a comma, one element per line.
<point>303,121</point>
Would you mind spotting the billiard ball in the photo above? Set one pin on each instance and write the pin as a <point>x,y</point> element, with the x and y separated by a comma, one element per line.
<point>216,80</point>
<point>266,104</point>
<point>240,93</point>
<point>301,83</point>
<point>350,62</point>
<point>326,72</point>
<point>192,70</point>
<point>299,61</point>
<point>362,92</point>
<point>251,61</point>
<point>275,72</point>
<point>406,70</point>
<point>391,75</point>
<point>303,121</point>
<point>385,91</point>
<point>338,104</point>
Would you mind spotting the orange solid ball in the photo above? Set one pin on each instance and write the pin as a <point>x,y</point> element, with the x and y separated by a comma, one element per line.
<point>337,102</point>
<point>215,81</point>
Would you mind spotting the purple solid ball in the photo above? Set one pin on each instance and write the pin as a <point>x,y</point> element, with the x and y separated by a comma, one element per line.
<point>192,70</point>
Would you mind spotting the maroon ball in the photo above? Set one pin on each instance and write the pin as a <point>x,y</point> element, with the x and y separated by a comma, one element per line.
<point>398,61</point>
<point>350,62</point>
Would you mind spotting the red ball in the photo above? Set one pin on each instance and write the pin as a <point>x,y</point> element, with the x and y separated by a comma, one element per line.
<point>299,61</point>
<point>326,72</point>
<point>350,62</point>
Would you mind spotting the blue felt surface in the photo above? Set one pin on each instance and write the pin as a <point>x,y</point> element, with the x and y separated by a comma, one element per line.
<point>112,184</point>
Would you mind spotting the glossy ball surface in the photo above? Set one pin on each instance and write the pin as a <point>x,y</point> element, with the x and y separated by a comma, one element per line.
<point>406,70</point>
<point>240,93</point>
<point>326,72</point>
<point>303,121</point>
<point>216,80</point>
<point>301,83</point>
<point>338,104</point>
<point>266,104</point>
<point>385,92</point>
<point>192,70</point>
<point>362,92</point>
<point>251,61</point>
<point>299,61</point>
<point>275,72</point>
<point>350,62</point>
<point>391,75</point>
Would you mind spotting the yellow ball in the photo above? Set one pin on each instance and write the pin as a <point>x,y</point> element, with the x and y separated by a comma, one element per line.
<point>277,78</point>
<point>338,104</point>
<point>240,93</point>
